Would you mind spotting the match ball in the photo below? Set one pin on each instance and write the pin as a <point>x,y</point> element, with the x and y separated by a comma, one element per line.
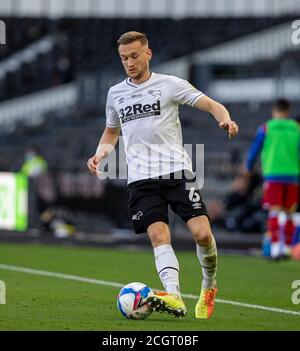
<point>132,301</point>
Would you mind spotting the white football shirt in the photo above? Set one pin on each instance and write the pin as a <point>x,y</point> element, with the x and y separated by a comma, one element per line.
<point>148,116</point>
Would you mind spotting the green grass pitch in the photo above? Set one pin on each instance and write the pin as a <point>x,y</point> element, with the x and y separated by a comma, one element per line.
<point>36,302</point>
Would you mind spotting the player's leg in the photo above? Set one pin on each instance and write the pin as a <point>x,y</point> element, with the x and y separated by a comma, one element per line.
<point>207,255</point>
<point>168,270</point>
<point>275,227</point>
<point>165,259</point>
<point>206,249</point>
<point>296,234</point>
<point>290,206</point>
<point>149,213</point>
<point>288,230</point>
<point>296,221</point>
<point>273,202</point>
<point>185,200</point>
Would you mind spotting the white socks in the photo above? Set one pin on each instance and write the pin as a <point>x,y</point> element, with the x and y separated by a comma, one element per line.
<point>208,260</point>
<point>167,267</point>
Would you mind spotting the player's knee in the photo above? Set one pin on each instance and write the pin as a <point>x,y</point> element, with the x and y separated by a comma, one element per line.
<point>203,236</point>
<point>158,234</point>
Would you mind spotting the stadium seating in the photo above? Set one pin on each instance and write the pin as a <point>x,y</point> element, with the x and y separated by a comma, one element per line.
<point>21,32</point>
<point>62,138</point>
<point>83,45</point>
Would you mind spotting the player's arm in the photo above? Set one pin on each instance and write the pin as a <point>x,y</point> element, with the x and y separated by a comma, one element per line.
<point>220,113</point>
<point>106,144</point>
<point>255,148</point>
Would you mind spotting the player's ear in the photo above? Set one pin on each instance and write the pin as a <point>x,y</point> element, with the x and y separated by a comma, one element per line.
<point>149,54</point>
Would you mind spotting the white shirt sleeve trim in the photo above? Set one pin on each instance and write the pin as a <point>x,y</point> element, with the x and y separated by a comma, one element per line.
<point>113,125</point>
<point>196,99</point>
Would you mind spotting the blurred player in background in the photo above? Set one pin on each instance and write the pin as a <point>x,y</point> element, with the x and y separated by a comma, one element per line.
<point>34,163</point>
<point>145,107</point>
<point>278,141</point>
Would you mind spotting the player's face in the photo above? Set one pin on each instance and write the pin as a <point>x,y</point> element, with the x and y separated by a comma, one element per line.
<point>135,59</point>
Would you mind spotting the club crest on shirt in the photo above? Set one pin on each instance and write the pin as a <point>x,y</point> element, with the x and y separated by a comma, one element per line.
<point>155,93</point>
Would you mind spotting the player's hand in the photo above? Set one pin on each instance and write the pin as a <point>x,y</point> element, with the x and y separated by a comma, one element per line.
<point>232,128</point>
<point>94,162</point>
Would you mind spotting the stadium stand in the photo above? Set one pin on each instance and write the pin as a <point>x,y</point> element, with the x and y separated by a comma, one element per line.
<point>21,32</point>
<point>82,45</point>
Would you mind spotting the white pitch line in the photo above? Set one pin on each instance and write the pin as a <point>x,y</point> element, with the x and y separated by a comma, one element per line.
<point>118,285</point>
<point>58,275</point>
<point>248,305</point>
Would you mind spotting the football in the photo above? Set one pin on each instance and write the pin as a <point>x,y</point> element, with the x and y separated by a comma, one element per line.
<point>132,301</point>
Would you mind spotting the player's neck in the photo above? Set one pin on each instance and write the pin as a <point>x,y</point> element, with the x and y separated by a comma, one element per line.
<point>280,117</point>
<point>141,79</point>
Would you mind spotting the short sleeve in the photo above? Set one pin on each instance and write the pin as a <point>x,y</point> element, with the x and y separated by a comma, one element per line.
<point>184,92</point>
<point>112,118</point>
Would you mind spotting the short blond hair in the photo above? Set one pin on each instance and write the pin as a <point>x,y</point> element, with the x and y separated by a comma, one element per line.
<point>132,36</point>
